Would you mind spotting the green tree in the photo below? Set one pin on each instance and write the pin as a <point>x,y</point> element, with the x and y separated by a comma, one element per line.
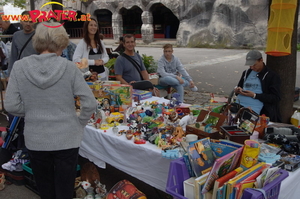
<point>16,3</point>
<point>286,68</point>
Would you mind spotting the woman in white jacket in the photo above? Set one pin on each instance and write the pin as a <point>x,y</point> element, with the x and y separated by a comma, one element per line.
<point>93,49</point>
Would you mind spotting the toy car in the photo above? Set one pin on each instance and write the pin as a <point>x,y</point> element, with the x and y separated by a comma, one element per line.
<point>115,117</point>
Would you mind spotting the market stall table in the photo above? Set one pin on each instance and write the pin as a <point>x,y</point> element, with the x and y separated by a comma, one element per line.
<point>290,187</point>
<point>142,161</point>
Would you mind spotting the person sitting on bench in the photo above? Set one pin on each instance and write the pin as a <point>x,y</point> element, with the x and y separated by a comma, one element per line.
<point>172,73</point>
<point>130,69</point>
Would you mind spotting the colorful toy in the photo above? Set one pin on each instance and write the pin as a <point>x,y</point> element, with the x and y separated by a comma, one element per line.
<point>115,117</point>
<point>170,154</point>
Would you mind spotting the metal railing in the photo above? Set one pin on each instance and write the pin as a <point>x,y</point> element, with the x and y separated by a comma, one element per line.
<point>75,32</point>
<point>78,32</point>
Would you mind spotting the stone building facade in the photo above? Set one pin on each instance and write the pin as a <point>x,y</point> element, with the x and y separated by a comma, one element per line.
<point>202,23</point>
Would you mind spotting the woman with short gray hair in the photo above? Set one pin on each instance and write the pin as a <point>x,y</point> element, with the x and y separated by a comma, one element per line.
<point>41,89</point>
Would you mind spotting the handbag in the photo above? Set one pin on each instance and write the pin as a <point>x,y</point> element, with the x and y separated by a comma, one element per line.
<point>142,85</point>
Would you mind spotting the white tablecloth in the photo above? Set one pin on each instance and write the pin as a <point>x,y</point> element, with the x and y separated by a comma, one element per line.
<point>142,161</point>
<point>290,187</point>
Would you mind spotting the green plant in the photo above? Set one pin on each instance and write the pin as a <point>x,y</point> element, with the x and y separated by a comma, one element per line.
<point>298,47</point>
<point>150,63</point>
<point>110,64</point>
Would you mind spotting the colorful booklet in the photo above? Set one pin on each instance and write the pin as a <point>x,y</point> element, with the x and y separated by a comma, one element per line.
<point>231,183</point>
<point>222,148</point>
<point>222,180</point>
<point>221,167</point>
<point>201,156</point>
<point>239,188</point>
<point>221,193</point>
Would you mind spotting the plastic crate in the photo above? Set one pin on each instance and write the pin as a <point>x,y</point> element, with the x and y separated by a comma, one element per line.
<point>178,173</point>
<point>29,178</point>
<point>272,189</point>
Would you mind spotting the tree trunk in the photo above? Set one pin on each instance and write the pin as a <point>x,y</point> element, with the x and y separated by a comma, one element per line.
<point>32,6</point>
<point>286,67</point>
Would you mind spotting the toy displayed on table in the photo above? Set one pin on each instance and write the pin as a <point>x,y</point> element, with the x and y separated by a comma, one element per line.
<point>141,94</point>
<point>250,154</point>
<point>287,137</point>
<point>207,125</point>
<point>244,125</point>
<point>162,124</point>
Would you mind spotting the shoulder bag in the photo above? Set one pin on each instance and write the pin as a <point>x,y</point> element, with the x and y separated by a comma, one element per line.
<point>19,56</point>
<point>141,85</point>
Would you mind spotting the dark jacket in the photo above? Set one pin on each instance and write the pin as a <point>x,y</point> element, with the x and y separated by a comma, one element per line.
<point>270,82</point>
<point>10,31</point>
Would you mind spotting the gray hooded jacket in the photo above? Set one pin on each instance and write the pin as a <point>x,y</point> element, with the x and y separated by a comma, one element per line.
<point>41,88</point>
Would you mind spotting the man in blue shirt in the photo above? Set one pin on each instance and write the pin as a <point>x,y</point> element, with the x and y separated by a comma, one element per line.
<point>259,87</point>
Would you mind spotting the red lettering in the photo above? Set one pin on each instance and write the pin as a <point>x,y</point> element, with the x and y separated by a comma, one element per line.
<point>5,17</point>
<point>51,14</point>
<point>34,14</point>
<point>15,17</point>
<point>24,17</point>
<point>58,13</point>
<point>72,15</point>
<point>88,17</point>
<point>43,16</point>
<point>64,15</point>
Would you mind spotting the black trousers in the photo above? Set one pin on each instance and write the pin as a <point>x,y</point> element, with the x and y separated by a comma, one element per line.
<point>142,85</point>
<point>54,172</point>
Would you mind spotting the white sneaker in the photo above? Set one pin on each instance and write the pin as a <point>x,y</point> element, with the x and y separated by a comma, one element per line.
<point>194,89</point>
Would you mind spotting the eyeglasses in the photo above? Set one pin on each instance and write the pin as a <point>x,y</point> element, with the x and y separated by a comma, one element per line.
<point>168,51</point>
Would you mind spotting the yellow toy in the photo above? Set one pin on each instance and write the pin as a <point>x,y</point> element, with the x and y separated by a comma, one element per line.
<point>115,117</point>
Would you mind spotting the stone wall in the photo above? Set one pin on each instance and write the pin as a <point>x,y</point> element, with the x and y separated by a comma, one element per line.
<point>203,23</point>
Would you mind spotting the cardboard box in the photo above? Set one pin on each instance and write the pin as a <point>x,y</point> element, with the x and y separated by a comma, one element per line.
<point>141,94</point>
<point>119,94</point>
<point>97,87</point>
<point>219,120</point>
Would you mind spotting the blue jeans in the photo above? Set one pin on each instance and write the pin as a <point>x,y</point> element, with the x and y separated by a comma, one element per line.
<point>174,83</point>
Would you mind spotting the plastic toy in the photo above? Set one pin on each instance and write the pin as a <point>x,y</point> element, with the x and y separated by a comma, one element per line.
<point>170,154</point>
<point>115,117</point>
<point>129,134</point>
<point>175,100</point>
<point>187,120</point>
<point>139,141</point>
<point>115,129</point>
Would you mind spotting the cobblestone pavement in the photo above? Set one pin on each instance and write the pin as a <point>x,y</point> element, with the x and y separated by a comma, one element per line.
<point>199,98</point>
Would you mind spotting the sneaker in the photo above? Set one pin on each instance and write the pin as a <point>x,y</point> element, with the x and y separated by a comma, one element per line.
<point>194,89</point>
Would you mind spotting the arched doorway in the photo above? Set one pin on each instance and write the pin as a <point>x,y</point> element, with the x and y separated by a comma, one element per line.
<point>105,23</point>
<point>132,21</point>
<point>165,23</point>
